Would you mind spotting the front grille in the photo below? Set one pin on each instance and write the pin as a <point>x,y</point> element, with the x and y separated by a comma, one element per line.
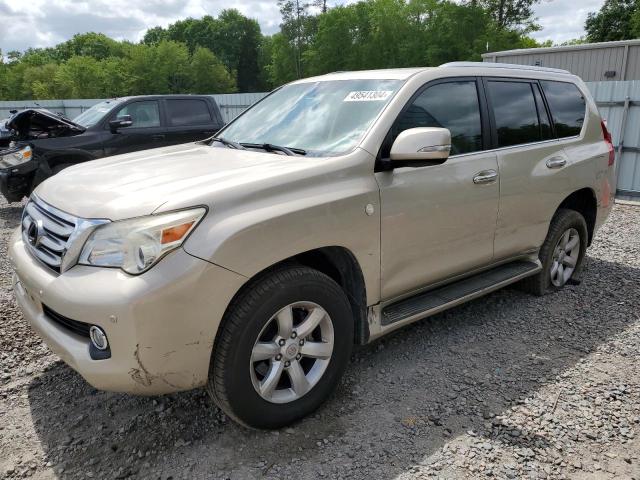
<point>46,231</point>
<point>74,326</point>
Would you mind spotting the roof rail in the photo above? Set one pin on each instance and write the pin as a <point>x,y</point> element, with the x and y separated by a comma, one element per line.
<point>512,66</point>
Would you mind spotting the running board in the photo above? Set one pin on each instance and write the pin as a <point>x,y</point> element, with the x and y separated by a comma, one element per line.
<point>434,301</point>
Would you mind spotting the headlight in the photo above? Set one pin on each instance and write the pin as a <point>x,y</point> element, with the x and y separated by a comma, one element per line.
<point>137,244</point>
<point>16,158</point>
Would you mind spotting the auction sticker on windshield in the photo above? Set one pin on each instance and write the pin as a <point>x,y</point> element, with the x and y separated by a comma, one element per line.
<point>368,96</point>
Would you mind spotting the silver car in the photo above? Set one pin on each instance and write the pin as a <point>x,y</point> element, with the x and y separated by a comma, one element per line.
<point>335,210</point>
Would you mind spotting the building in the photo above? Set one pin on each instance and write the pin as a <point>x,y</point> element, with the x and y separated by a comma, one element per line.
<point>593,62</point>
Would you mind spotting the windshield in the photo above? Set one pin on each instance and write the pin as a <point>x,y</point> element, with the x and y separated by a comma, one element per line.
<point>323,118</point>
<point>96,113</point>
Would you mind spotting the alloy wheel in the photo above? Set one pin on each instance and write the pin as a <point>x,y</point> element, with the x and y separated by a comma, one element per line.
<point>565,257</point>
<point>292,352</point>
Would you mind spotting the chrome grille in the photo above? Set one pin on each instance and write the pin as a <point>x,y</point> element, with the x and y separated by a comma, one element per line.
<point>46,232</point>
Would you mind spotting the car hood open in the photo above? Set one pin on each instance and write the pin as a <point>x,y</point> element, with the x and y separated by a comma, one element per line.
<point>35,123</point>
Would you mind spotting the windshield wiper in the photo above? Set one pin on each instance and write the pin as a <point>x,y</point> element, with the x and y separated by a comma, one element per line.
<point>228,143</point>
<point>270,147</point>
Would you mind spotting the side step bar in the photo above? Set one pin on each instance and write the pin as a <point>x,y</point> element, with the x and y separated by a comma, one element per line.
<point>434,301</point>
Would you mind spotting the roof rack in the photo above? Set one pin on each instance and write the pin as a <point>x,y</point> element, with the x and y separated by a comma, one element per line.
<point>512,66</point>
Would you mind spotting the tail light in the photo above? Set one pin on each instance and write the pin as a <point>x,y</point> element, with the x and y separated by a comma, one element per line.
<point>608,140</point>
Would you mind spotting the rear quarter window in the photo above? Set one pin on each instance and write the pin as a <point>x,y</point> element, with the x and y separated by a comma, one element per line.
<point>188,112</point>
<point>567,105</point>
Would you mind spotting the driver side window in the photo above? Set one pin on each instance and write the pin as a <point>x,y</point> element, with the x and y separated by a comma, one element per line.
<point>143,114</point>
<point>452,105</point>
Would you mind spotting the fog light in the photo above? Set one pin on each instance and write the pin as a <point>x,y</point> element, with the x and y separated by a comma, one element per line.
<point>98,338</point>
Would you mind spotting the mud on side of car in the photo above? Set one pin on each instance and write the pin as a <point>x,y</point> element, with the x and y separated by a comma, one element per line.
<point>335,210</point>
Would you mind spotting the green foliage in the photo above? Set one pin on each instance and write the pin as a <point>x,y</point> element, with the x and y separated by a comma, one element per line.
<point>208,74</point>
<point>229,53</point>
<point>510,14</point>
<point>616,20</point>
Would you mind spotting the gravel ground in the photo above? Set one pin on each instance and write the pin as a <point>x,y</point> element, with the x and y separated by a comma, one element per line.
<point>509,386</point>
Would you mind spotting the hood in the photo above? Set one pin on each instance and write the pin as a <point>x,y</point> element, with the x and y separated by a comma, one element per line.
<point>140,183</point>
<point>35,123</point>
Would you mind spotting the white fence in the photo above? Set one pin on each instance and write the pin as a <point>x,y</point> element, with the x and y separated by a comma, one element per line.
<point>231,105</point>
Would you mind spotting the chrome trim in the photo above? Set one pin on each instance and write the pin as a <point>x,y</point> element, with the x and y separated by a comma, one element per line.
<point>556,162</point>
<point>485,176</point>
<point>436,148</point>
<point>54,237</point>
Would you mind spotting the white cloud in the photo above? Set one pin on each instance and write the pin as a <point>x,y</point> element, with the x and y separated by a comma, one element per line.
<point>41,23</point>
<point>563,20</point>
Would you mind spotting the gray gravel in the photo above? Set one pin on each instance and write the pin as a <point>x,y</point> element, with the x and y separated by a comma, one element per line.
<point>509,386</point>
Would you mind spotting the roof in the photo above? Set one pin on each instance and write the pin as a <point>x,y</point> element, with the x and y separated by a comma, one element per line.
<point>384,74</point>
<point>562,48</point>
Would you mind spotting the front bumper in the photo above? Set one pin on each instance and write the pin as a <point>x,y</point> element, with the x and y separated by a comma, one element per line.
<point>161,325</point>
<point>16,182</point>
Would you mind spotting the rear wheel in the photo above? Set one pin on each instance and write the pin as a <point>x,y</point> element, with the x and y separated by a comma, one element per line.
<point>282,348</point>
<point>561,254</point>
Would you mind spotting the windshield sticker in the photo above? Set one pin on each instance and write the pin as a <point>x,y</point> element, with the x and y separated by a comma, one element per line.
<point>368,96</point>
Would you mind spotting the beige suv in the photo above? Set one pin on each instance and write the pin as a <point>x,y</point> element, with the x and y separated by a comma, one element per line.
<point>335,210</point>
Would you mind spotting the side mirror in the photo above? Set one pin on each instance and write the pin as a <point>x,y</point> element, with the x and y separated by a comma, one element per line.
<point>421,145</point>
<point>120,122</point>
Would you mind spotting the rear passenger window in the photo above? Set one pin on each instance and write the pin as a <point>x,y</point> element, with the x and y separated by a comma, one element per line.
<point>567,106</point>
<point>452,105</point>
<point>515,113</point>
<point>188,112</point>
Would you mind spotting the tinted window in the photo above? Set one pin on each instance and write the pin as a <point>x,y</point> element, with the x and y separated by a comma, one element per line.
<point>567,107</point>
<point>515,113</point>
<point>452,105</point>
<point>188,112</point>
<point>143,114</point>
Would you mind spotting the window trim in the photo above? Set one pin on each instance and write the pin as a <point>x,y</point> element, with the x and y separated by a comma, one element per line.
<point>482,106</point>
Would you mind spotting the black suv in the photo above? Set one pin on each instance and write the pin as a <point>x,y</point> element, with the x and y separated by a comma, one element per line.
<point>40,143</point>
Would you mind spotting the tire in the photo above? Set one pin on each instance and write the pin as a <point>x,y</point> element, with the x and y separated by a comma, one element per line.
<point>565,222</point>
<point>239,376</point>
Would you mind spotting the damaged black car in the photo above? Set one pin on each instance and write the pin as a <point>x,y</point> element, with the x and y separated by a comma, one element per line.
<point>37,143</point>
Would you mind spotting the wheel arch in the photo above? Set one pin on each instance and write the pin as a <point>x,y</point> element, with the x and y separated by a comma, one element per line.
<point>339,264</point>
<point>584,202</point>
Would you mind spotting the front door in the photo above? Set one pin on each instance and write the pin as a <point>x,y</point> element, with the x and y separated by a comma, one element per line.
<point>146,131</point>
<point>439,221</point>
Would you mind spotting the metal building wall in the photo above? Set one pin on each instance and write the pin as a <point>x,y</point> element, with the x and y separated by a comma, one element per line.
<point>589,61</point>
<point>619,105</point>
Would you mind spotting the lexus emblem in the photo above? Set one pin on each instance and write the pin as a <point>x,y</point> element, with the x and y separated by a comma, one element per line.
<point>35,232</point>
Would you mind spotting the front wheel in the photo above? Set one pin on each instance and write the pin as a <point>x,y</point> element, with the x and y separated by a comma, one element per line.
<point>282,348</point>
<point>561,254</point>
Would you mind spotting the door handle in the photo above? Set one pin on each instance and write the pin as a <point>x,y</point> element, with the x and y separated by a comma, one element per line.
<point>158,136</point>
<point>485,176</point>
<point>556,162</point>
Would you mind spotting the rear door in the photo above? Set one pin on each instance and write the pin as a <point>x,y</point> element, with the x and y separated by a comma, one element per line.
<point>147,130</point>
<point>189,119</point>
<point>534,174</point>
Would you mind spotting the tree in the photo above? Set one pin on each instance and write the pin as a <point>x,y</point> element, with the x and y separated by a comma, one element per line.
<point>614,21</point>
<point>208,74</point>
<point>510,14</point>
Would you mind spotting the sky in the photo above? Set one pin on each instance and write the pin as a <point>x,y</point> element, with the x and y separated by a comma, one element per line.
<point>42,23</point>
